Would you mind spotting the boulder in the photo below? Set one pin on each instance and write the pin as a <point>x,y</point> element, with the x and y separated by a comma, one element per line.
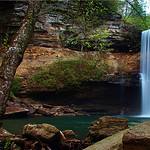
<point>113,142</point>
<point>69,134</point>
<point>104,127</point>
<point>74,144</point>
<point>44,111</point>
<point>44,132</point>
<point>49,110</point>
<point>50,136</point>
<point>137,138</point>
<point>15,111</point>
<point>4,134</point>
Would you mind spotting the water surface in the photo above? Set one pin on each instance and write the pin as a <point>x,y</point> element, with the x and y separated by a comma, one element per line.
<point>79,124</point>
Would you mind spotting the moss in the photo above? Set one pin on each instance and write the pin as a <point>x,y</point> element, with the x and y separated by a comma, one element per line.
<point>16,86</point>
<point>70,73</point>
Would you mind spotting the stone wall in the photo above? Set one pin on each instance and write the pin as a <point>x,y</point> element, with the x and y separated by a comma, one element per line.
<point>13,12</point>
<point>49,25</point>
<point>11,15</point>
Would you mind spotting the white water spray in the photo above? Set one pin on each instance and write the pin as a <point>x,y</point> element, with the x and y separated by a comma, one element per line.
<point>145,73</point>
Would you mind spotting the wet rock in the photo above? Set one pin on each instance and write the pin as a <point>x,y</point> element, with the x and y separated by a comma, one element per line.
<point>44,111</point>
<point>69,134</point>
<point>4,134</point>
<point>49,136</point>
<point>15,111</point>
<point>47,106</point>
<point>104,127</point>
<point>137,138</point>
<point>43,132</point>
<point>35,145</point>
<point>49,110</point>
<point>62,110</point>
<point>74,144</point>
<point>19,108</point>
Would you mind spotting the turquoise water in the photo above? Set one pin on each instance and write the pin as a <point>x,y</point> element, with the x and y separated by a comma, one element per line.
<point>79,124</point>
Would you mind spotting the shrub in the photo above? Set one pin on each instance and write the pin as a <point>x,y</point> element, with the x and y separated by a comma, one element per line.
<point>139,23</point>
<point>68,73</point>
<point>95,40</point>
<point>16,86</point>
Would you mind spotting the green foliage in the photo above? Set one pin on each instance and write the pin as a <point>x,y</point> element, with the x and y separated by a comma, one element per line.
<point>96,40</point>
<point>137,8</point>
<point>135,14</point>
<point>83,18</point>
<point>91,11</point>
<point>133,8</point>
<point>148,21</point>
<point>65,74</point>
<point>16,86</point>
<point>139,23</point>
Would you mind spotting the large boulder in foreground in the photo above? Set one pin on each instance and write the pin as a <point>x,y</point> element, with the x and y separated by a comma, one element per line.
<point>137,138</point>
<point>50,136</point>
<point>44,132</point>
<point>104,127</point>
<point>113,142</point>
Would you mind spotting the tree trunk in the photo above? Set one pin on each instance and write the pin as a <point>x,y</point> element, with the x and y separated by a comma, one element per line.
<point>14,54</point>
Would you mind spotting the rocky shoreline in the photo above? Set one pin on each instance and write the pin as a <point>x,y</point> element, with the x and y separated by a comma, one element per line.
<point>106,133</point>
<point>27,107</point>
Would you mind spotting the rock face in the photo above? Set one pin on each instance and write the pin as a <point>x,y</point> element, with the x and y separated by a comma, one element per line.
<point>104,127</point>
<point>41,131</point>
<point>137,138</point>
<point>13,12</point>
<point>124,37</point>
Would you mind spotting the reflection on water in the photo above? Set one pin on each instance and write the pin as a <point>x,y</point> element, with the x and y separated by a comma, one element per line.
<point>103,97</point>
<point>79,124</point>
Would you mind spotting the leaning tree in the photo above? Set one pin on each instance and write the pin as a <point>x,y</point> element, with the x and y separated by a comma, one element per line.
<point>14,54</point>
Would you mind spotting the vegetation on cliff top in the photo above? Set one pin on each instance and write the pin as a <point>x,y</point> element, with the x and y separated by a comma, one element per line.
<point>68,73</point>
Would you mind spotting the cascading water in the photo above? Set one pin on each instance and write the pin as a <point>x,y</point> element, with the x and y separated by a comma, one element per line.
<point>145,73</point>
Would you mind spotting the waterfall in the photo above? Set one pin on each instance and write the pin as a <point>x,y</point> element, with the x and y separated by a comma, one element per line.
<point>145,73</point>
